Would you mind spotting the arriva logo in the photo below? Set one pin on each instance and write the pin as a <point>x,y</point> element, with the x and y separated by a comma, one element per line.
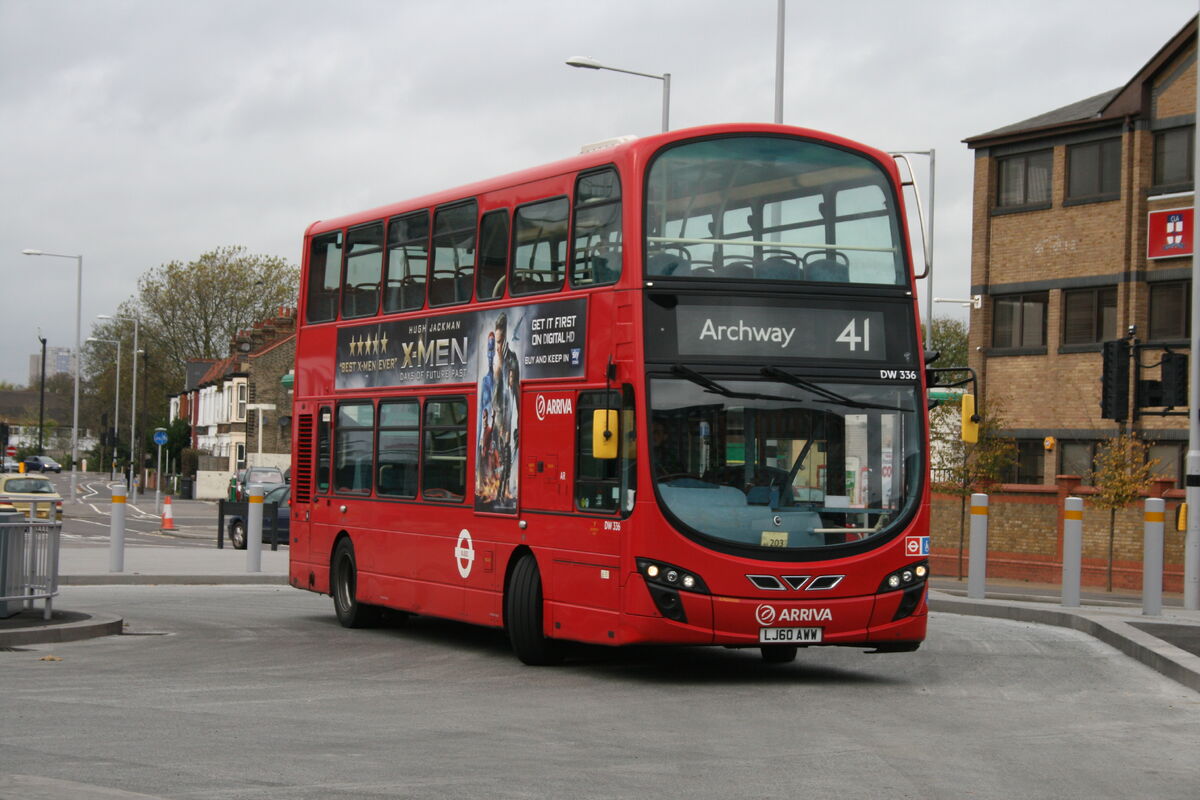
<point>767,615</point>
<point>556,405</point>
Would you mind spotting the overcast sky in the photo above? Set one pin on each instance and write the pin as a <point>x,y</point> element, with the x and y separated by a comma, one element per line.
<point>137,132</point>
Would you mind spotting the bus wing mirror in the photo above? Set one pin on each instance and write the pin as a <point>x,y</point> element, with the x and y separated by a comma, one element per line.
<point>604,433</point>
<point>970,420</point>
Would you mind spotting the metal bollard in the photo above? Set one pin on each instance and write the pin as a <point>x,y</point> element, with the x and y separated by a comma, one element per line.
<point>977,564</point>
<point>1072,568</point>
<point>254,520</point>
<point>116,537</point>
<point>1152,555</point>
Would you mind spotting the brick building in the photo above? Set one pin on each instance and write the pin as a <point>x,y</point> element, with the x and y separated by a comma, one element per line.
<point>239,407</point>
<point>1065,206</point>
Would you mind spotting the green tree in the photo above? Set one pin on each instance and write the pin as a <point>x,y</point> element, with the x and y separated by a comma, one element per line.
<point>1122,474</point>
<point>187,311</point>
<point>964,468</point>
<point>949,337</point>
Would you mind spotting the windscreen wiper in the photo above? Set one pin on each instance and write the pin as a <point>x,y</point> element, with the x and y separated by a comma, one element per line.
<point>822,392</point>
<point>708,383</point>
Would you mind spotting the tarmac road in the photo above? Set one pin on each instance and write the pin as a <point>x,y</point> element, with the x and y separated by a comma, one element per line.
<point>255,692</point>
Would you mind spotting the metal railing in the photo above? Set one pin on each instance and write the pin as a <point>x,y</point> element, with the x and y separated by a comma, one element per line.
<point>29,560</point>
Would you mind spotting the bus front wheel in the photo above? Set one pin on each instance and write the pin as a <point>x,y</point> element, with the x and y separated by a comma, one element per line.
<point>523,607</point>
<point>343,585</point>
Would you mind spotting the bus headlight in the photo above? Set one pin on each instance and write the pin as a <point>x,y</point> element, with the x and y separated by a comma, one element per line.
<point>912,575</point>
<point>661,573</point>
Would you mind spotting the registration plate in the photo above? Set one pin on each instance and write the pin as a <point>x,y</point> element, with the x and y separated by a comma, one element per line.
<point>789,635</point>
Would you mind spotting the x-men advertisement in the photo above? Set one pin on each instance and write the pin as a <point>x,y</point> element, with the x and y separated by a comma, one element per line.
<point>496,349</point>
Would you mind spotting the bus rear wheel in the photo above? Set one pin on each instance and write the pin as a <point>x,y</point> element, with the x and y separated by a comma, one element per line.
<point>343,585</point>
<point>779,653</point>
<point>523,613</point>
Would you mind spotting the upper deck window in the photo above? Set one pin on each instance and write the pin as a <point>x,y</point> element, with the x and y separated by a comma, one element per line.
<point>407,262</point>
<point>597,239</point>
<point>364,266</point>
<point>452,274</point>
<point>771,208</point>
<point>540,247</point>
<point>324,275</point>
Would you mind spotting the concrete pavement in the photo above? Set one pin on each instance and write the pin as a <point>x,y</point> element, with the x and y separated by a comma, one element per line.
<point>1169,644</point>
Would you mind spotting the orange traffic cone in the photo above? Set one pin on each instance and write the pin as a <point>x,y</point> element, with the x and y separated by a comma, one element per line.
<point>168,518</point>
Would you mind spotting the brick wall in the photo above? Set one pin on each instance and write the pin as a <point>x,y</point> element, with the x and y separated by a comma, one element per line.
<point>1025,536</point>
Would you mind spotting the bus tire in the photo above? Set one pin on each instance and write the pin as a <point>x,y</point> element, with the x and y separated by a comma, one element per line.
<point>237,534</point>
<point>779,653</point>
<point>523,612</point>
<point>343,584</point>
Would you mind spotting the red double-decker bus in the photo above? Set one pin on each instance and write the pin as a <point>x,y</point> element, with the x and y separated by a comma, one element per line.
<point>668,391</point>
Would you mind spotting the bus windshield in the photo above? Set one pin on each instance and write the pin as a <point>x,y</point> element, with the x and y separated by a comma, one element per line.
<point>788,464</point>
<point>771,208</point>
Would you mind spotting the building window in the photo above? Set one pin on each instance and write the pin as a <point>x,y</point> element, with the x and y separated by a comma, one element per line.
<point>1019,321</point>
<point>1094,170</point>
<point>1076,459</point>
<point>241,403</point>
<point>1028,465</point>
<point>1170,458</point>
<point>1173,153</point>
<point>1024,180</point>
<point>1089,315</point>
<point>1170,310</point>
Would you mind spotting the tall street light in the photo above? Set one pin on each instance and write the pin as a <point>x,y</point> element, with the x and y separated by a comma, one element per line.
<point>132,404</point>
<point>583,62</point>
<point>116,400</point>
<point>78,326</point>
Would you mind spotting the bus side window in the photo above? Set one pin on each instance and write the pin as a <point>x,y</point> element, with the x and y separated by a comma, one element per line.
<point>407,262</point>
<point>540,247</point>
<point>605,485</point>
<point>353,453</point>
<point>493,255</point>
<point>364,267</point>
<point>324,277</point>
<point>452,269</point>
<point>324,429</point>
<point>399,442</point>
<point>596,248</point>
<point>444,456</point>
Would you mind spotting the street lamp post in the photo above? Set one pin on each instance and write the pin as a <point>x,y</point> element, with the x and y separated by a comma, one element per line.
<point>132,405</point>
<point>78,327</point>
<point>583,62</point>
<point>116,401</point>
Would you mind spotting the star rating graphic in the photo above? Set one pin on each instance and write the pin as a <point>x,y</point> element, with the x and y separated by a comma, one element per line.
<point>369,345</point>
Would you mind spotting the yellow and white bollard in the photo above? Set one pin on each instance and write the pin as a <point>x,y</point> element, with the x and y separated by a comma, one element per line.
<point>1152,555</point>
<point>116,536</point>
<point>1072,567</point>
<point>254,520</point>
<point>977,564</point>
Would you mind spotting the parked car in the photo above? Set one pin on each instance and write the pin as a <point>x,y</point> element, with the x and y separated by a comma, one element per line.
<point>266,477</point>
<point>11,464</point>
<point>41,464</point>
<point>236,524</point>
<point>21,490</point>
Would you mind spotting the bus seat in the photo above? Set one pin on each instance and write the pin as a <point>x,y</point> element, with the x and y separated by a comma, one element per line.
<point>827,269</point>
<point>669,264</point>
<point>777,268</point>
<point>735,271</point>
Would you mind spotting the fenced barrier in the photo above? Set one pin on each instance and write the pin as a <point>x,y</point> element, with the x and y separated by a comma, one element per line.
<point>29,560</point>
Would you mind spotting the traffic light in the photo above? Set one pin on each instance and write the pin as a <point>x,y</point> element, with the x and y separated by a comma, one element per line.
<point>1114,381</point>
<point>1174,379</point>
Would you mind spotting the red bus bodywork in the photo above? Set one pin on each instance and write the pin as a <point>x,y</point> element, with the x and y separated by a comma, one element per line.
<point>449,559</point>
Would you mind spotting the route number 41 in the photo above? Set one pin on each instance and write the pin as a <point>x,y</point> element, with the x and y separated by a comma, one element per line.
<point>850,335</point>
